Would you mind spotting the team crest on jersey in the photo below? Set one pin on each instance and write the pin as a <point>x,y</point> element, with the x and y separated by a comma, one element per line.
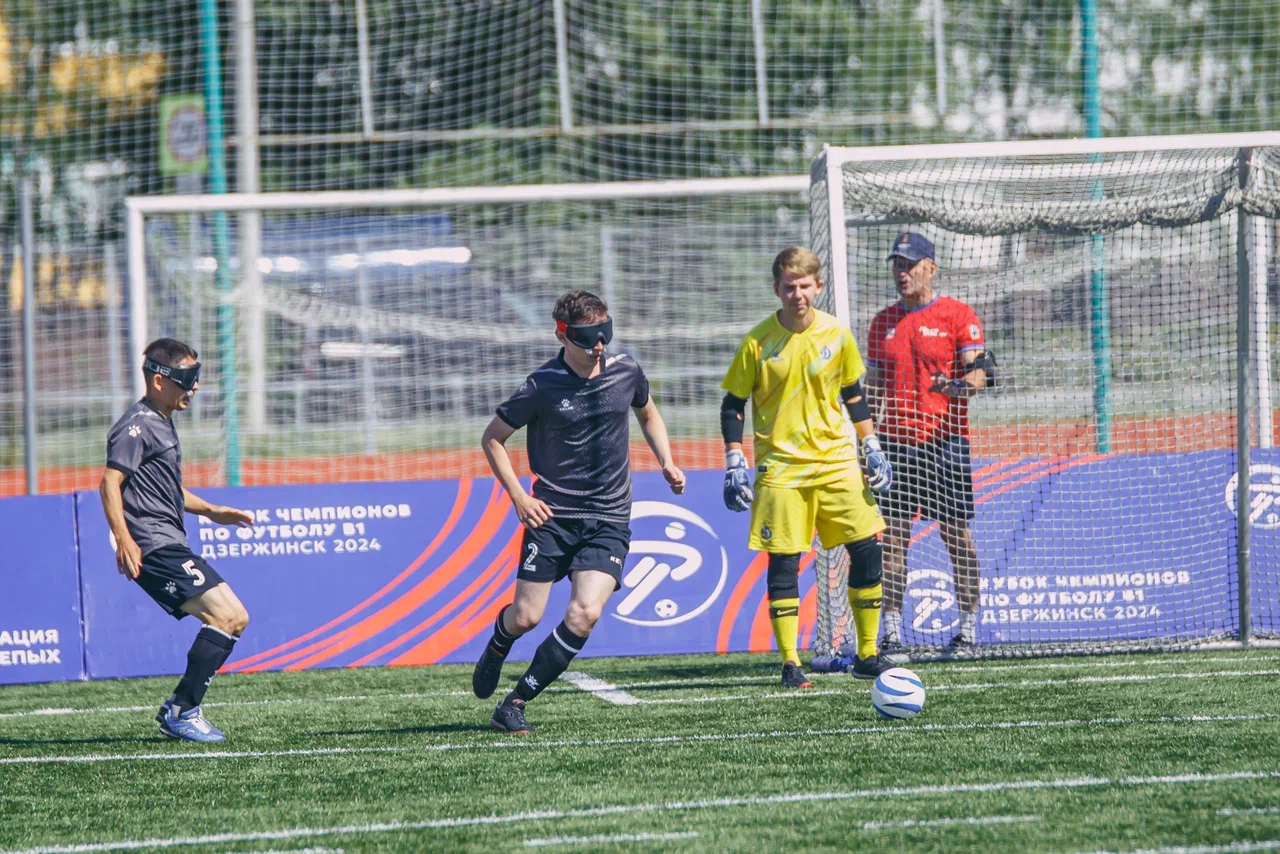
<point>974,332</point>
<point>825,353</point>
<point>766,534</point>
<point>891,334</point>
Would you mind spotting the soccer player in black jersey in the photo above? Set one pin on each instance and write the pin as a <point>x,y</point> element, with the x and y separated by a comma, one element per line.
<point>576,407</point>
<point>144,499</point>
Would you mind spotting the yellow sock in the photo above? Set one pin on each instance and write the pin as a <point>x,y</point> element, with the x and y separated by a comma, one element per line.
<point>785,616</point>
<point>865,602</point>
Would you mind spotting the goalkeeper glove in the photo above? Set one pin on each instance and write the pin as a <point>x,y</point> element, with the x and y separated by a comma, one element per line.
<point>876,465</point>
<point>737,482</point>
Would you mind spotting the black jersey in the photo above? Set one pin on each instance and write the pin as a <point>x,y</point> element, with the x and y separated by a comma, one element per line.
<point>579,435</point>
<point>143,445</point>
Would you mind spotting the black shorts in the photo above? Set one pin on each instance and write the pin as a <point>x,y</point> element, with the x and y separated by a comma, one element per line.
<point>935,478</point>
<point>561,546</point>
<point>173,574</point>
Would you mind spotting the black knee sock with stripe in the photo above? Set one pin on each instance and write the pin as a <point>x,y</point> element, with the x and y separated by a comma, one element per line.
<point>208,652</point>
<point>502,640</point>
<point>549,661</point>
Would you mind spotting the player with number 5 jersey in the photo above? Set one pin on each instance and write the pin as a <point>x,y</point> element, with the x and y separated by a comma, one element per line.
<point>144,501</point>
<point>798,368</point>
<point>577,409</point>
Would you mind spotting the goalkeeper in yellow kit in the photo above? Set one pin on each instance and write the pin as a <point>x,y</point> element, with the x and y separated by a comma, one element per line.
<point>798,367</point>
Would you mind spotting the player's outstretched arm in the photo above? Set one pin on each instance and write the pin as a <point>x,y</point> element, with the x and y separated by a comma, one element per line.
<point>128,555</point>
<point>193,503</point>
<point>531,511</point>
<point>655,433</point>
<point>876,465</point>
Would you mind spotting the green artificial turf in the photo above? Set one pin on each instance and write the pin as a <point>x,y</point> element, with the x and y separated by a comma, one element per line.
<point>1117,753</point>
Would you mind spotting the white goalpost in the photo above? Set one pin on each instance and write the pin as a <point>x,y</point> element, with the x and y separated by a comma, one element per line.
<point>1115,279</point>
<point>341,349</point>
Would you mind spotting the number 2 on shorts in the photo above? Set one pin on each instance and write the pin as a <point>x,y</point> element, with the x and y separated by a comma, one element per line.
<point>533,554</point>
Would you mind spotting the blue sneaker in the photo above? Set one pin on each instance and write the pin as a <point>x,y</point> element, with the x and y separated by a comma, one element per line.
<point>187,726</point>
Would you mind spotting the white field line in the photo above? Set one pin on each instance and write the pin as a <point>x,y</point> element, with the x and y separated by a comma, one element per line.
<point>1250,811</point>
<point>670,806</point>
<point>292,851</point>
<point>967,686</point>
<point>617,838</point>
<point>1230,848</point>
<point>945,822</point>
<point>691,682</point>
<point>599,688</point>
<point>528,744</point>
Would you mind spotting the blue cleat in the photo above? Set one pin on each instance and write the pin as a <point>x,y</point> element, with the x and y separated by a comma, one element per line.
<point>187,726</point>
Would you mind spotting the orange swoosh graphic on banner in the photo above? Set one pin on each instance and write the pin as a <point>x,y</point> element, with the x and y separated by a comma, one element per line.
<point>311,649</point>
<point>512,548</point>
<point>451,635</point>
<point>750,576</point>
<point>1004,475</point>
<point>1070,463</point>
<point>761,636</point>
<point>495,514</point>
<point>460,502</point>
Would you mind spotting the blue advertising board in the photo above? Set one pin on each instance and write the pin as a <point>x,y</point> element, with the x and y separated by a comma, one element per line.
<point>40,637</point>
<point>1072,548</point>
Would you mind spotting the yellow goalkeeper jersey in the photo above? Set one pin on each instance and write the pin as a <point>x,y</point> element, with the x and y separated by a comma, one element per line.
<point>793,382</point>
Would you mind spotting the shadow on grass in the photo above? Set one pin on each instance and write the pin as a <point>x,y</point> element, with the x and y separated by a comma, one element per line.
<point>411,730</point>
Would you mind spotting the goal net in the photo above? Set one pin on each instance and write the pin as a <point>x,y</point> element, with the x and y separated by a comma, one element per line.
<point>377,331</point>
<point>1103,461</point>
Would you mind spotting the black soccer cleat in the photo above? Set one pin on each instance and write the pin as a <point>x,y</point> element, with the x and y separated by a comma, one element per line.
<point>793,676</point>
<point>484,679</point>
<point>961,646</point>
<point>509,717</point>
<point>870,667</point>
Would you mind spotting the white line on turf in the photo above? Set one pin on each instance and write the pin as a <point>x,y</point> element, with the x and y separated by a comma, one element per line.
<point>292,851</point>
<point>599,688</point>
<point>615,839</point>
<point>695,681</point>
<point>1250,811</point>
<point>960,686</point>
<point>672,806</point>
<point>1230,848</point>
<point>512,744</point>
<point>945,822</point>
<point>685,683</point>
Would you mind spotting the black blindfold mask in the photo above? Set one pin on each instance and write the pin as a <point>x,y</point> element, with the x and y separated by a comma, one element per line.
<point>186,377</point>
<point>587,335</point>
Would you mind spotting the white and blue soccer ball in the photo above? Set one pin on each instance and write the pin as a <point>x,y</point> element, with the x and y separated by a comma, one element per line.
<point>897,694</point>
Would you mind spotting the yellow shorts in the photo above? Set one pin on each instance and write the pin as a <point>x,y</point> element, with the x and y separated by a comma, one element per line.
<point>783,519</point>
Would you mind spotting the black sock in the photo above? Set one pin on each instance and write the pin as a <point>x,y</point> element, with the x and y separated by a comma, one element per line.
<point>208,652</point>
<point>501,640</point>
<point>549,661</point>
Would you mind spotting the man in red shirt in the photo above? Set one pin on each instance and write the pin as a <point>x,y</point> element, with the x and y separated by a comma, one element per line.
<point>926,357</point>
